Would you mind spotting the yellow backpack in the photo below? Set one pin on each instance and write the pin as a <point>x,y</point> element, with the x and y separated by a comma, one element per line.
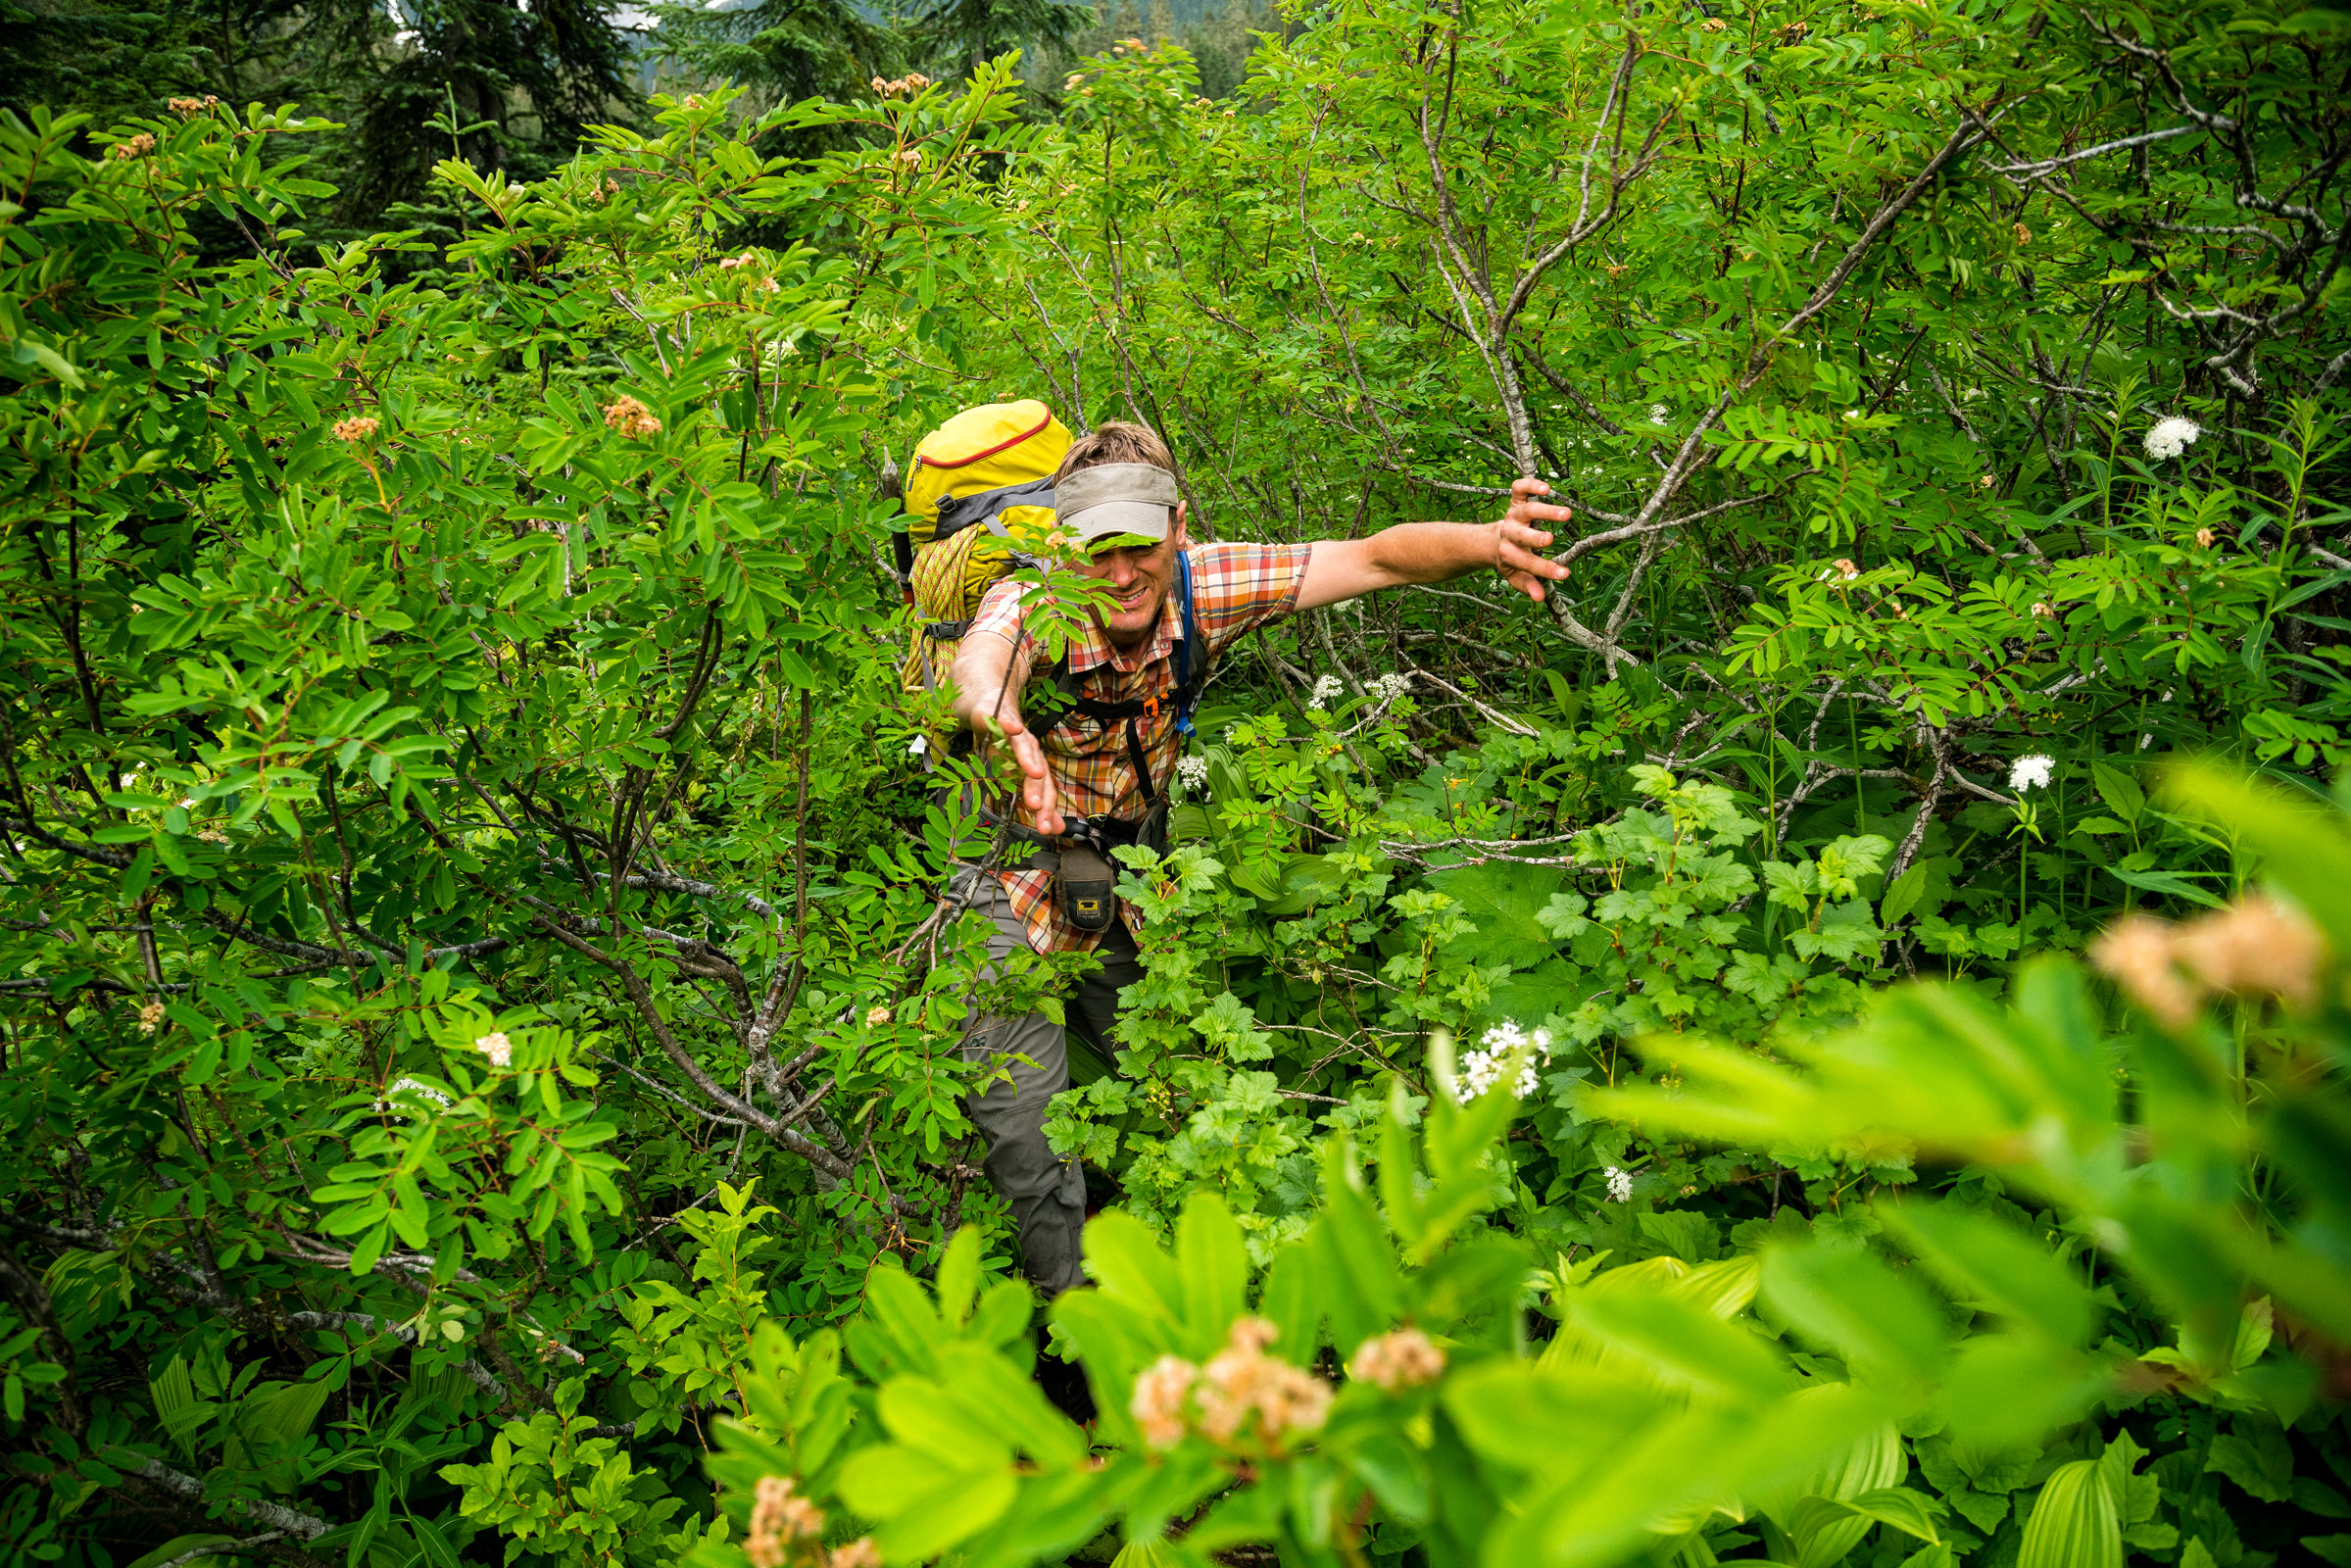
<point>984,476</point>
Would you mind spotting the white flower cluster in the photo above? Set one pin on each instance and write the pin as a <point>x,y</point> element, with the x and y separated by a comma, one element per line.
<point>409,1086</point>
<point>1193,771</point>
<point>1620,1185</point>
<point>1482,1069</point>
<point>1390,686</point>
<point>2170,437</point>
<point>498,1048</point>
<point>1326,689</point>
<point>2032,773</point>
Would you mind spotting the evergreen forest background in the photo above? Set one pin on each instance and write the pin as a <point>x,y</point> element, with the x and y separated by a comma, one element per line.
<point>1822,1044</point>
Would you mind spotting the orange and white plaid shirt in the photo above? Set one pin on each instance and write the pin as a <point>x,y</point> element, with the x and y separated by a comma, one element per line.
<point>1234,589</point>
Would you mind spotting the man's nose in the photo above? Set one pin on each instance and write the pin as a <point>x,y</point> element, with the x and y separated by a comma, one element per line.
<point>1122,570</point>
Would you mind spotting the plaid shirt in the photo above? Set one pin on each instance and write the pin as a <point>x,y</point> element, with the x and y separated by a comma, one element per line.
<point>1234,588</point>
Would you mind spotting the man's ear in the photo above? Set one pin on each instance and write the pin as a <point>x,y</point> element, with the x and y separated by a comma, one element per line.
<point>1183,540</point>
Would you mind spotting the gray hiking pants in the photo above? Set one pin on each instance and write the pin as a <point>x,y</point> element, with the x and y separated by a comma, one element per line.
<point>1046,1192</point>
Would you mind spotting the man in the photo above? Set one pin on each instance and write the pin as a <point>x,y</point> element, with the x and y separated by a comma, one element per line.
<point>1116,497</point>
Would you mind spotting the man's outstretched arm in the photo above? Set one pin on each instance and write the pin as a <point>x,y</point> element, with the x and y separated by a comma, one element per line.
<point>988,702</point>
<point>1432,551</point>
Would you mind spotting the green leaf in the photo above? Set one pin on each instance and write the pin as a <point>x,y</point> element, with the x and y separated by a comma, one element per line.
<point>2075,1522</point>
<point>1361,1280</point>
<point>953,1511</point>
<point>1844,1300</point>
<point>1008,1404</point>
<point>2120,791</point>
<point>2167,883</point>
<point>1679,1343</point>
<point>1991,1266</point>
<point>284,1415</point>
<point>1899,1508</point>
<point>958,1280</point>
<point>1904,896</point>
<point>1826,1529</point>
<point>1507,903</point>
<point>917,1415</point>
<point>895,1305</point>
<point>1396,1473</point>
<point>2254,1328</point>
<point>2257,1458</point>
<point>1290,1305</point>
<point>1131,1269</point>
<point>181,1545</point>
<point>177,1406</point>
<point>1213,1266</point>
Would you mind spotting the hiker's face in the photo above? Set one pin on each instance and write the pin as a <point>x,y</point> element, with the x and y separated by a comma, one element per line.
<point>1142,579</point>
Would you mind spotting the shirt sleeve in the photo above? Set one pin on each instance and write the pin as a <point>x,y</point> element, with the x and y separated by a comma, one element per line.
<point>1236,587</point>
<point>1000,612</point>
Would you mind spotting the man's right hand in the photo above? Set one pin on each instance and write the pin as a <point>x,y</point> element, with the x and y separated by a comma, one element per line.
<point>1037,797</point>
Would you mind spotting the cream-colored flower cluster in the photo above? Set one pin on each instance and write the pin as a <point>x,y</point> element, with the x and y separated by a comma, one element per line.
<point>912,81</point>
<point>729,264</point>
<point>633,420</point>
<point>1241,1392</point>
<point>2255,947</point>
<point>787,1528</point>
<point>139,146</point>
<point>358,427</point>
<point>1405,1359</point>
<point>778,1519</point>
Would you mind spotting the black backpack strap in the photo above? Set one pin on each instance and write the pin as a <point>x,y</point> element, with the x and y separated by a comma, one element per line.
<point>961,512</point>
<point>1191,654</point>
<point>1142,761</point>
<point>901,558</point>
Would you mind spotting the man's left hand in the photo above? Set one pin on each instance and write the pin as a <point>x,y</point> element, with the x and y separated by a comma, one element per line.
<point>1517,539</point>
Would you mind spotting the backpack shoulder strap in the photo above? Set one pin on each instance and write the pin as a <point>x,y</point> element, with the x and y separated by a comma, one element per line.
<point>1191,654</point>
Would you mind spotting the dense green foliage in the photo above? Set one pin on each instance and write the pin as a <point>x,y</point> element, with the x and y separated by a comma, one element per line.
<point>481,1032</point>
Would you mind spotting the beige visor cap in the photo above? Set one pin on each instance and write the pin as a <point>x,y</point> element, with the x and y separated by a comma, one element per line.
<point>1113,498</point>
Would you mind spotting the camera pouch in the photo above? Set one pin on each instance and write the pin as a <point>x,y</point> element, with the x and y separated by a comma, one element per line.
<point>1087,887</point>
